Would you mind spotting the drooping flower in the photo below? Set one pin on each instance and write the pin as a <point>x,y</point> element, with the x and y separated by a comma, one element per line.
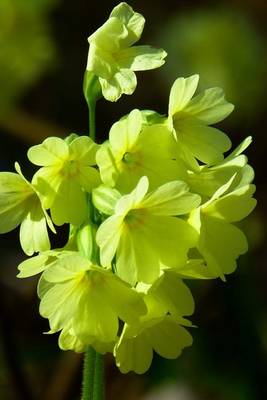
<point>157,330</point>
<point>65,177</point>
<point>208,180</point>
<point>113,58</point>
<point>189,120</point>
<point>135,150</point>
<point>20,205</point>
<point>134,351</point>
<point>168,294</point>
<point>145,233</point>
<point>220,242</point>
<point>92,298</point>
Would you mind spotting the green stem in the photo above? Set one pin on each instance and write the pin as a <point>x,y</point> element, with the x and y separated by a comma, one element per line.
<point>99,378</point>
<point>92,124</point>
<point>88,374</point>
<point>93,372</point>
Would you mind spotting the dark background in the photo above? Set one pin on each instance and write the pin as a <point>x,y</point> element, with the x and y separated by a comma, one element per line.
<point>43,51</point>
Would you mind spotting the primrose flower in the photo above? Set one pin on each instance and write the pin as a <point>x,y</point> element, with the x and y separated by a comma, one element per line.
<point>220,242</point>
<point>208,180</point>
<point>65,177</point>
<point>93,299</point>
<point>111,57</point>
<point>157,330</point>
<point>144,232</point>
<point>134,351</point>
<point>189,120</point>
<point>21,205</point>
<point>135,150</point>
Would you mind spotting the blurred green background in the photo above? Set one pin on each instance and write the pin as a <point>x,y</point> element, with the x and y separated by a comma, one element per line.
<point>43,51</point>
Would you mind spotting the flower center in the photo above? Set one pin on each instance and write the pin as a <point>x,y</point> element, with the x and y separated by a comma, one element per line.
<point>178,120</point>
<point>136,218</point>
<point>70,169</point>
<point>128,158</point>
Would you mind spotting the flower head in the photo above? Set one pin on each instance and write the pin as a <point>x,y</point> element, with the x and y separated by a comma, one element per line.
<point>208,180</point>
<point>189,119</point>
<point>220,242</point>
<point>65,177</point>
<point>135,150</point>
<point>134,351</point>
<point>21,205</point>
<point>91,298</point>
<point>111,56</point>
<point>145,233</point>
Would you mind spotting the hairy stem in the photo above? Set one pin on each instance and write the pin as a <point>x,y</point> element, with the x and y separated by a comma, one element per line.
<point>99,378</point>
<point>93,372</point>
<point>88,374</point>
<point>92,123</point>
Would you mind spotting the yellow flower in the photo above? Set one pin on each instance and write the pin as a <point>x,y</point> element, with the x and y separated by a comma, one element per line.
<point>65,177</point>
<point>134,150</point>
<point>145,233</point>
<point>20,205</point>
<point>111,56</point>
<point>189,120</point>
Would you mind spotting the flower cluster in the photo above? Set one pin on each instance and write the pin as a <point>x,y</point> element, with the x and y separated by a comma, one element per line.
<point>155,204</point>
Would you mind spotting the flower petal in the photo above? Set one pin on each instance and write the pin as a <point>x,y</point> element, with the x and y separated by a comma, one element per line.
<point>221,244</point>
<point>70,204</point>
<point>141,58</point>
<point>15,195</point>
<point>83,149</point>
<point>210,106</point>
<point>107,238</point>
<point>134,22</point>
<point>206,143</point>
<point>173,198</point>
<point>53,150</point>
<point>168,338</point>
<point>33,230</point>
<point>182,91</point>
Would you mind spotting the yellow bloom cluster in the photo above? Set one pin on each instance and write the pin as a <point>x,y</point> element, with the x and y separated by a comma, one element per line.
<point>155,204</point>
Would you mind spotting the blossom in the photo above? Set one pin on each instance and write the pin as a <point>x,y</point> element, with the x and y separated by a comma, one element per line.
<point>189,119</point>
<point>113,58</point>
<point>134,351</point>
<point>20,205</point>
<point>208,180</point>
<point>92,298</point>
<point>220,242</point>
<point>65,177</point>
<point>144,232</point>
<point>135,150</point>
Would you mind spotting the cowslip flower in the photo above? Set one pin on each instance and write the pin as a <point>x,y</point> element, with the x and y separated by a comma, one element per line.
<point>65,177</point>
<point>220,242</point>
<point>189,120</point>
<point>73,289</point>
<point>134,351</point>
<point>208,180</point>
<point>145,233</point>
<point>20,205</point>
<point>167,295</point>
<point>135,150</point>
<point>168,300</point>
<point>112,57</point>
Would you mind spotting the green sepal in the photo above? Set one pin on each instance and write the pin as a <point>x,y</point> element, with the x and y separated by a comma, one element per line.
<point>151,117</point>
<point>105,198</point>
<point>91,87</point>
<point>86,240</point>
